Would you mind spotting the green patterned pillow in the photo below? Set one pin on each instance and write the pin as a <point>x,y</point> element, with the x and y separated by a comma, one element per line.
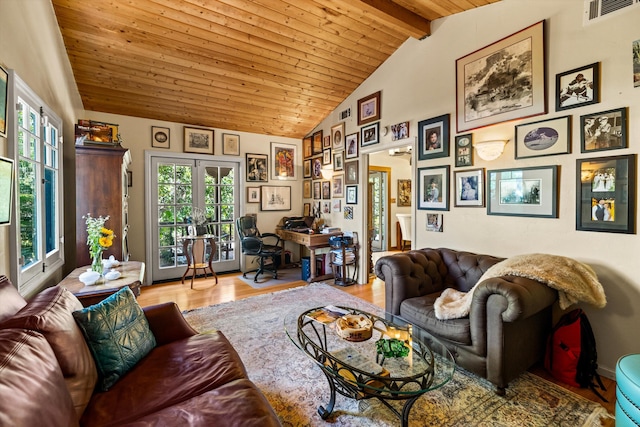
<point>117,333</point>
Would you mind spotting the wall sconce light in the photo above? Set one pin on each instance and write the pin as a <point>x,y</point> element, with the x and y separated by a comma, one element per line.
<point>490,150</point>
<point>326,173</point>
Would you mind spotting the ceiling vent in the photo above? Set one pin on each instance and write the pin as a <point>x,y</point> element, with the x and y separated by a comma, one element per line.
<point>596,10</point>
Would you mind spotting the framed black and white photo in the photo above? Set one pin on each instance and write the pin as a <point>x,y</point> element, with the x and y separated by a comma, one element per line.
<point>606,194</point>
<point>543,138</point>
<point>469,188</point>
<point>326,156</point>
<point>337,135</point>
<point>351,146</point>
<point>197,140</point>
<point>433,188</point>
<point>326,189</point>
<point>578,87</point>
<point>257,167</point>
<point>160,136</point>
<point>253,194</point>
<point>531,192</point>
<point>464,150</point>
<point>337,185</point>
<point>351,172</point>
<point>370,134</point>
<point>230,144</point>
<point>369,109</point>
<point>502,81</point>
<point>275,198</point>
<point>338,161</point>
<point>433,138</point>
<point>352,194</point>
<point>604,131</point>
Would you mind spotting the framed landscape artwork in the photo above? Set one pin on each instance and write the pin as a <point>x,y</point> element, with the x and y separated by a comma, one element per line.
<point>531,191</point>
<point>543,138</point>
<point>606,194</point>
<point>198,140</point>
<point>503,81</point>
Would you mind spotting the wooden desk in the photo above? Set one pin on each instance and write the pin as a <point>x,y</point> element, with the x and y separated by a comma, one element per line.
<point>132,275</point>
<point>312,242</point>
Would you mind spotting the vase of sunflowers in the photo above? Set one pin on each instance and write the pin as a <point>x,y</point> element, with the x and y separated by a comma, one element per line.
<point>99,238</point>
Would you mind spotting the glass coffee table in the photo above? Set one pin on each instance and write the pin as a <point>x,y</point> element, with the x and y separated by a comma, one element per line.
<point>365,356</point>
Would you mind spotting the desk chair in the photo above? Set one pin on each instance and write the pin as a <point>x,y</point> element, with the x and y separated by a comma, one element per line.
<point>253,243</point>
<point>405,228</point>
<point>200,251</point>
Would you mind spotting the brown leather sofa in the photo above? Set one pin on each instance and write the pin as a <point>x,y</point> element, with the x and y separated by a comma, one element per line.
<point>47,374</point>
<point>509,320</point>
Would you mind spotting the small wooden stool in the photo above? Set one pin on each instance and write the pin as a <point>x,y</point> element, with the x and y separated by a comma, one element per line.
<point>195,249</point>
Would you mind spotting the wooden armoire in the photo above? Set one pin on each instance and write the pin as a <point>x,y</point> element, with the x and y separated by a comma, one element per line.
<point>102,182</point>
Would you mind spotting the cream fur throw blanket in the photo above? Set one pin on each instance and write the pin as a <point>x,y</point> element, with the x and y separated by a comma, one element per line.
<point>573,280</point>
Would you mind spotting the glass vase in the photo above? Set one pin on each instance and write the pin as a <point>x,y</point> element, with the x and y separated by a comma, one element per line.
<point>96,263</point>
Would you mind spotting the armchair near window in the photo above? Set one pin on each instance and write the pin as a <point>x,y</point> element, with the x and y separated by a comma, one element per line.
<point>265,246</point>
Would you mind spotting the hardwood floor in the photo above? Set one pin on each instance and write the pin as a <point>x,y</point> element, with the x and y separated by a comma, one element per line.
<point>230,288</point>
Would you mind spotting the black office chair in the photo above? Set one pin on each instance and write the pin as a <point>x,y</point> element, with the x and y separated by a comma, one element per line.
<point>253,243</point>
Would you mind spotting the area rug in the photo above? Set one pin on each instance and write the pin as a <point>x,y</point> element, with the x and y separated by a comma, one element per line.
<point>295,386</point>
<point>265,280</point>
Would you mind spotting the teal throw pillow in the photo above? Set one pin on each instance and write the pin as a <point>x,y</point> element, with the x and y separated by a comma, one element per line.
<point>117,333</point>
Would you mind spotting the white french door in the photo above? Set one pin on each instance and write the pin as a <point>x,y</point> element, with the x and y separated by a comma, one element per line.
<point>178,185</point>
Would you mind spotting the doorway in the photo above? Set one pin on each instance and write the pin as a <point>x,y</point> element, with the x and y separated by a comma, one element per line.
<point>379,179</point>
<point>179,186</point>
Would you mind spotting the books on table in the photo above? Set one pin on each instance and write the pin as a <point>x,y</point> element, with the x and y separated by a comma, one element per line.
<point>328,314</point>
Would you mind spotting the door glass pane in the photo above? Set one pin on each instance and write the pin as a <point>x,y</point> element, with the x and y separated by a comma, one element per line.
<point>28,213</point>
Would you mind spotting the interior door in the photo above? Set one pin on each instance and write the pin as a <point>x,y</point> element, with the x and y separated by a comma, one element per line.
<point>378,179</point>
<point>178,185</point>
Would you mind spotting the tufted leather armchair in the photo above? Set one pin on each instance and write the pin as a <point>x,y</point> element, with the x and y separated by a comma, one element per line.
<point>510,318</point>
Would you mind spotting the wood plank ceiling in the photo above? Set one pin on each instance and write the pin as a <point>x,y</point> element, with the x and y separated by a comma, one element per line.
<point>274,67</point>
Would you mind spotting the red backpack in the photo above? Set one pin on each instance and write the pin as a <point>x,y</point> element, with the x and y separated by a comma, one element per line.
<point>571,355</point>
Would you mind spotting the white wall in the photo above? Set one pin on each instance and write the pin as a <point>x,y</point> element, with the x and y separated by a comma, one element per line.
<point>418,82</point>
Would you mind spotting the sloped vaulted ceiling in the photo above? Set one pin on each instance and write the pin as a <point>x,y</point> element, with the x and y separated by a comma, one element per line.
<point>275,67</point>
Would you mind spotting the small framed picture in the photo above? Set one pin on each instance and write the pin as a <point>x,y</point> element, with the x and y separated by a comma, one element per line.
<point>337,185</point>
<point>307,147</point>
<point>230,144</point>
<point>326,190</point>
<point>369,109</point>
<point>433,188</point>
<point>275,198</point>
<point>434,222</point>
<point>404,192</point>
<point>284,158</point>
<point>543,138</point>
<point>198,140</point>
<point>336,205</point>
<point>352,194</point>
<point>400,131</point>
<point>326,142</point>
<point>160,137</point>
<point>433,138</point>
<point>316,168</point>
<point>337,134</point>
<point>348,212</point>
<point>351,172</point>
<point>370,134</point>
<point>317,190</point>
<point>326,156</point>
<point>578,87</point>
<point>351,143</point>
<point>531,191</point>
<point>257,167</point>
<point>326,206</point>
<point>338,161</point>
<point>306,211</point>
<point>606,194</point>
<point>316,146</point>
<point>253,194</point>
<point>306,168</point>
<point>604,131</point>
<point>306,189</point>
<point>469,188</point>
<point>464,150</point>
